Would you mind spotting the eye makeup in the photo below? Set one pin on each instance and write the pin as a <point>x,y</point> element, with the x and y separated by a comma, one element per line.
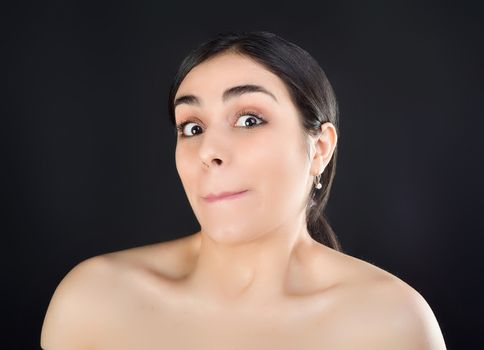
<point>244,112</point>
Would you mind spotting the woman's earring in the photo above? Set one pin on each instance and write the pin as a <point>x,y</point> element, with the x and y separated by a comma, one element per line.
<point>318,184</point>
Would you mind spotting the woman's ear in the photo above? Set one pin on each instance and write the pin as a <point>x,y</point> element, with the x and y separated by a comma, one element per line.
<point>324,145</point>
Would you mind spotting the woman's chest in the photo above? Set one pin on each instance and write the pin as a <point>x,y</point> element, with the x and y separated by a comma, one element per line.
<point>145,319</point>
<point>188,330</point>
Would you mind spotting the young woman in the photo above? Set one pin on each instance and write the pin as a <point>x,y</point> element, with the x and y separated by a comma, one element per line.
<point>257,125</point>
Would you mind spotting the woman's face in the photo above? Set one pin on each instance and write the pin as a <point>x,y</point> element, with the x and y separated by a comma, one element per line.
<point>243,133</point>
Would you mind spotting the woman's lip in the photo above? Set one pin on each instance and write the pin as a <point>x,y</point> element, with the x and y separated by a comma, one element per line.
<point>223,196</point>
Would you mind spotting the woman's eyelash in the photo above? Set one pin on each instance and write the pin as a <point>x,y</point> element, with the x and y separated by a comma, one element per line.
<point>182,125</point>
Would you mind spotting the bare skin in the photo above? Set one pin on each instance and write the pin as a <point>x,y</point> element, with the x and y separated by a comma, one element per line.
<point>141,298</point>
<point>252,278</point>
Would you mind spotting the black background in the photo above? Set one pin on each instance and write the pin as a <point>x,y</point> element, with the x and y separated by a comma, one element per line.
<point>89,152</point>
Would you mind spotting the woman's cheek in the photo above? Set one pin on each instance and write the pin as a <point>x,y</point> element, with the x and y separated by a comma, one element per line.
<point>185,165</point>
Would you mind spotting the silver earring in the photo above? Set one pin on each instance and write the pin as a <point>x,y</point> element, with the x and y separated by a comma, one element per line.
<point>318,184</point>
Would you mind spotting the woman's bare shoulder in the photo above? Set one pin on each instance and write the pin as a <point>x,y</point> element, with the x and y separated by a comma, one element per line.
<point>382,310</point>
<point>85,299</point>
<point>69,318</point>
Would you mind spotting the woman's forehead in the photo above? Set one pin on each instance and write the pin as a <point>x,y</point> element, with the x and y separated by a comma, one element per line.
<point>216,75</point>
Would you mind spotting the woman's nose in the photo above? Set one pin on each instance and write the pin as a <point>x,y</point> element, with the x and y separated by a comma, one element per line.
<point>215,147</point>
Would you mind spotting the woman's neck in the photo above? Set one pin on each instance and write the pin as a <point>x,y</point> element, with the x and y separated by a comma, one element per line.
<point>260,269</point>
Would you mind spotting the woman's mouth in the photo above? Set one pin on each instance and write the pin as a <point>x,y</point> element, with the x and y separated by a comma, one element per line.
<point>224,196</point>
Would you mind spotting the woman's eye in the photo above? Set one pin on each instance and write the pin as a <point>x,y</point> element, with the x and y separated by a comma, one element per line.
<point>188,129</point>
<point>250,121</point>
<point>183,127</point>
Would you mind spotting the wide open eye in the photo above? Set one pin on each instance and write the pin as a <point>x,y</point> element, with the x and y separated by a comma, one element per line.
<point>186,129</point>
<point>190,129</point>
<point>250,119</point>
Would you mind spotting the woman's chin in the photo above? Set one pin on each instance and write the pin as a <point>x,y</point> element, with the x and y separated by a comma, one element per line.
<point>225,235</point>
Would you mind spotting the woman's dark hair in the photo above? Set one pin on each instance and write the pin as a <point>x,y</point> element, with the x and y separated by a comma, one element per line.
<point>310,91</point>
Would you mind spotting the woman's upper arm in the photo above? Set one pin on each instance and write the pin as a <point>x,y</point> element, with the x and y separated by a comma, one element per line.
<point>70,320</point>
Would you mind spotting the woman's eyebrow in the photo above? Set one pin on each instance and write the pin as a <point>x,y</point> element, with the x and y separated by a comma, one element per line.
<point>244,89</point>
<point>186,99</point>
<point>228,94</point>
